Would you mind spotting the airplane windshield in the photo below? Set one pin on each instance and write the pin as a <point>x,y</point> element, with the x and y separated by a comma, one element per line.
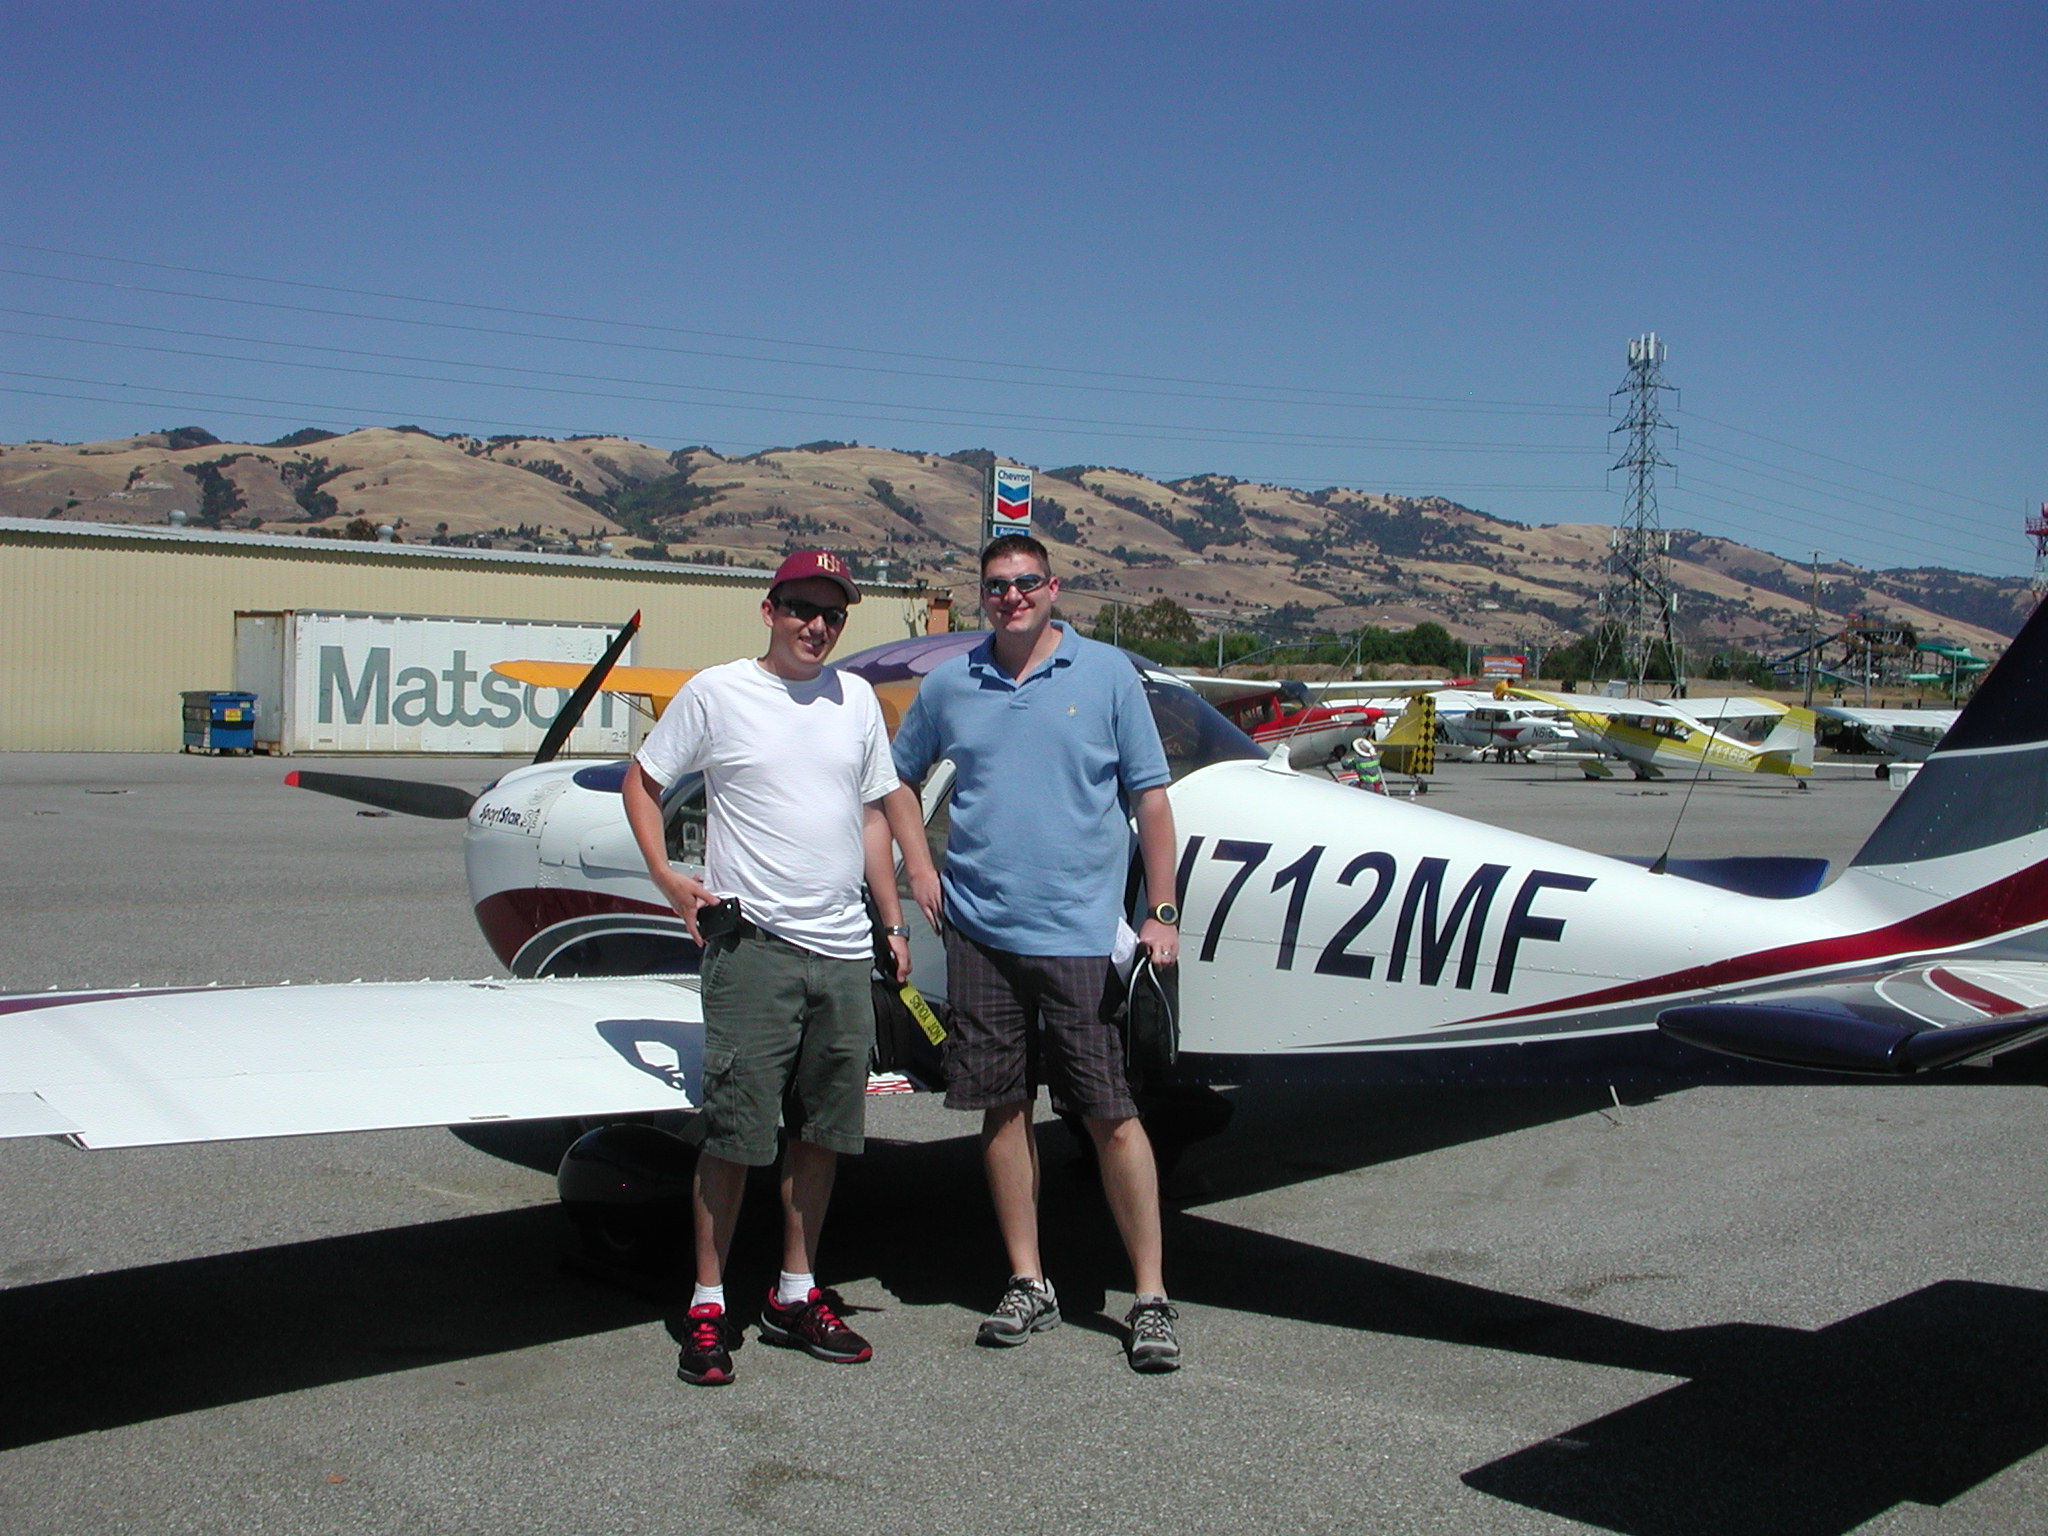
<point>1192,731</point>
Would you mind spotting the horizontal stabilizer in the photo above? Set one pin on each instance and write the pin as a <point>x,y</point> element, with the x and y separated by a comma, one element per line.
<point>1828,1036</point>
<point>1776,876</point>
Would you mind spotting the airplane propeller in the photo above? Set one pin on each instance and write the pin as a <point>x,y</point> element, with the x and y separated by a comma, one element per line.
<point>448,802</point>
<point>436,802</point>
<point>571,713</point>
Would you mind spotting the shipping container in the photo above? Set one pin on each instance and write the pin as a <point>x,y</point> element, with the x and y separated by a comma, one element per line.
<point>411,683</point>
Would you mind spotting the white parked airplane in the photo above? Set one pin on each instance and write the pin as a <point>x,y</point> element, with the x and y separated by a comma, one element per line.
<point>1910,735</point>
<point>1327,935</point>
<point>1506,727</point>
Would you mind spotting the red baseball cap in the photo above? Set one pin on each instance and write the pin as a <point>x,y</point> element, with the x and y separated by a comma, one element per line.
<point>816,562</point>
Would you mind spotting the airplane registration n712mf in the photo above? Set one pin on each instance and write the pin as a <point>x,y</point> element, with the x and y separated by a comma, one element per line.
<point>1327,935</point>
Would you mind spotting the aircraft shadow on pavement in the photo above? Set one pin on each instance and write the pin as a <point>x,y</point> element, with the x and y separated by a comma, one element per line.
<point>1771,1431</point>
<point>1782,1432</point>
<point>1285,1134</point>
<point>1775,1431</point>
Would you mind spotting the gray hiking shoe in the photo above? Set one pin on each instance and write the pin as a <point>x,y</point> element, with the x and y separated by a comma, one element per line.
<point>1152,1345</point>
<point>1027,1307</point>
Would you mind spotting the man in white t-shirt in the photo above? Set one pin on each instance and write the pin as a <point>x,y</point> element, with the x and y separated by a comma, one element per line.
<point>802,801</point>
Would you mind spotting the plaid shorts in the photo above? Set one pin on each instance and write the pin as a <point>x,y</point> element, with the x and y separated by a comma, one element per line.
<point>1021,1020</point>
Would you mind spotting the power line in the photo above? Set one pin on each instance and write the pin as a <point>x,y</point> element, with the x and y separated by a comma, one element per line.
<point>1737,461</point>
<point>1845,463</point>
<point>1362,399</point>
<point>1854,530</point>
<point>1848,526</point>
<point>1777,530</point>
<point>993,419</point>
<point>1352,399</point>
<point>526,427</point>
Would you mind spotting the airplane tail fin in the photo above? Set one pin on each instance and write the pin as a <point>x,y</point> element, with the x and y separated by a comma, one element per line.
<point>1410,746</point>
<point>1793,735</point>
<point>1977,811</point>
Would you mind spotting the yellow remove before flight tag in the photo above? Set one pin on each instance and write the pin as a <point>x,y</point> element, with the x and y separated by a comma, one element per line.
<point>921,1011</point>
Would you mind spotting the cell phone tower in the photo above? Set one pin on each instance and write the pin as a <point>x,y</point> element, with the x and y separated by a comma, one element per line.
<point>2037,530</point>
<point>1641,603</point>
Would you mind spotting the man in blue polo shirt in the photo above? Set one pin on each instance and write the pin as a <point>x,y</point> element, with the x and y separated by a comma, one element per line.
<point>1055,750</point>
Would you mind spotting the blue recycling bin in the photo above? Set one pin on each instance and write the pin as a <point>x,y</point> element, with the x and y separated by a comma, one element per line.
<point>219,722</point>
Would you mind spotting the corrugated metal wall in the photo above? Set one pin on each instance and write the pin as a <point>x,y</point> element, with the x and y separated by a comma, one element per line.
<point>99,633</point>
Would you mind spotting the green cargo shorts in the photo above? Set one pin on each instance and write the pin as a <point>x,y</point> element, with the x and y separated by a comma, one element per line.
<point>787,1031</point>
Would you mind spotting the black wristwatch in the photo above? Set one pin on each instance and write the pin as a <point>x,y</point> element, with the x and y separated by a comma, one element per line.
<point>1166,912</point>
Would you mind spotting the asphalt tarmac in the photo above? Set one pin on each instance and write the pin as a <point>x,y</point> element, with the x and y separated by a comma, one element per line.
<point>1723,1312</point>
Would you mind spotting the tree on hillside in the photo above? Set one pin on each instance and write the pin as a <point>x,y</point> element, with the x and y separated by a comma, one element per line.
<point>1160,619</point>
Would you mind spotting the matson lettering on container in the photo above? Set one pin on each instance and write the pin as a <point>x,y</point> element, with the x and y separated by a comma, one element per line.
<point>360,682</point>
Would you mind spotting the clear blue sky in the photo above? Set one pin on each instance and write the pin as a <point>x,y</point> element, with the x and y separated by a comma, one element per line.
<point>1393,246</point>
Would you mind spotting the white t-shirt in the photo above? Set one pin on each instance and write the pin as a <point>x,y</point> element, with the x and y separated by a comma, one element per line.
<point>787,767</point>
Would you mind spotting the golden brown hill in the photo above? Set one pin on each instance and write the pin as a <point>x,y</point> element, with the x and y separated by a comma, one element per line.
<point>1240,555</point>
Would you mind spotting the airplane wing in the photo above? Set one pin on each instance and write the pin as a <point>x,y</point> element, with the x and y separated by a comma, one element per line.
<point>1341,691</point>
<point>1226,690</point>
<point>1737,706</point>
<point>656,684</point>
<point>1596,706</point>
<point>1889,718</point>
<point>220,1064</point>
<point>1894,1024</point>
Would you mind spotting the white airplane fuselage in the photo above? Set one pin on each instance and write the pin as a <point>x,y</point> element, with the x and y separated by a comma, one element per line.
<point>1319,924</point>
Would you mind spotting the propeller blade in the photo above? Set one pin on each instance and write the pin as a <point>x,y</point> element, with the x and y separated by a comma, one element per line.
<point>437,802</point>
<point>579,701</point>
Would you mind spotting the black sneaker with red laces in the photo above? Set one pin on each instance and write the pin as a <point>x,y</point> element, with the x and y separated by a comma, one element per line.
<point>813,1325</point>
<point>706,1360</point>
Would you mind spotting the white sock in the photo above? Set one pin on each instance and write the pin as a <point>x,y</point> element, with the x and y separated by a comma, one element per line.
<point>708,1296</point>
<point>791,1290</point>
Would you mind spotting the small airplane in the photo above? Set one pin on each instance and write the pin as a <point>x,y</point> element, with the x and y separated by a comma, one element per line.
<point>1328,936</point>
<point>1908,735</point>
<point>1655,737</point>
<point>1508,729</point>
<point>1272,713</point>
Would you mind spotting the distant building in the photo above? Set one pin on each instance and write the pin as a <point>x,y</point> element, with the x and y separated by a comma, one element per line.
<point>103,626</point>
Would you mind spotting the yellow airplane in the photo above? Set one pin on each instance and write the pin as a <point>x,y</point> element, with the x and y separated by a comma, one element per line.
<point>1739,735</point>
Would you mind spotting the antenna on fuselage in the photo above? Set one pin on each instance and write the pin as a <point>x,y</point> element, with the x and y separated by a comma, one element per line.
<point>1664,858</point>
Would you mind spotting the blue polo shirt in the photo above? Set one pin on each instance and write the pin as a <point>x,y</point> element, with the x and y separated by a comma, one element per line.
<point>1048,766</point>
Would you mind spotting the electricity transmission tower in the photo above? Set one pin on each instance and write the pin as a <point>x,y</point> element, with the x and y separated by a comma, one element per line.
<point>1640,601</point>
<point>2037,530</point>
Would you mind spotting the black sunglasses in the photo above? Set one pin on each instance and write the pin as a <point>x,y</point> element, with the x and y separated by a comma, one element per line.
<point>996,586</point>
<point>804,612</point>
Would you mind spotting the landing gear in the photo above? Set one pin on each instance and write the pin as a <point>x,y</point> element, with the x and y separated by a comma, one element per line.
<point>626,1189</point>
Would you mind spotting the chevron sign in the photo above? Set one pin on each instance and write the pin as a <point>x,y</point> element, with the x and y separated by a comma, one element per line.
<point>1010,508</point>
